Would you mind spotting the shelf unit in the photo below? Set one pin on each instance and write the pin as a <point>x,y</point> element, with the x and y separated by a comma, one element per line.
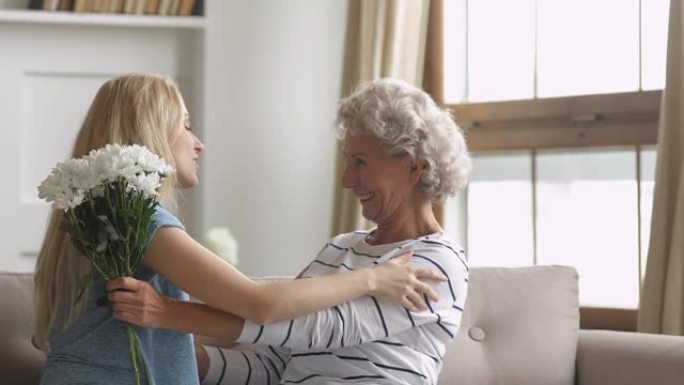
<point>21,16</point>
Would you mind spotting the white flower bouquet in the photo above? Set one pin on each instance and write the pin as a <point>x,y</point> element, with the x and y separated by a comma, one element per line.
<point>108,197</point>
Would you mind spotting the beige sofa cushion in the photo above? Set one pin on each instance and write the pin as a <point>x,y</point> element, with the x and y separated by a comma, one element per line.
<point>20,361</point>
<point>609,357</point>
<point>519,327</point>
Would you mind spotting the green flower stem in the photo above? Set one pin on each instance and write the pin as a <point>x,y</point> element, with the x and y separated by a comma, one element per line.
<point>123,203</point>
<point>133,352</point>
<point>117,271</point>
<point>140,203</point>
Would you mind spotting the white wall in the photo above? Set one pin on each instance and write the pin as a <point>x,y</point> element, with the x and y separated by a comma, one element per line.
<point>268,171</point>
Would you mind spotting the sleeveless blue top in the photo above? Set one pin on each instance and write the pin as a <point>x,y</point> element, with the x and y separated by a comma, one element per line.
<point>94,349</point>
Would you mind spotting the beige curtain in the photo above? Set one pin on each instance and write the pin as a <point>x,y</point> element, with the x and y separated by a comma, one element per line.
<point>662,298</point>
<point>385,38</point>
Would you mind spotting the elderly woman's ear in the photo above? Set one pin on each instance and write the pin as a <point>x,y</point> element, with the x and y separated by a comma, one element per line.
<point>416,167</point>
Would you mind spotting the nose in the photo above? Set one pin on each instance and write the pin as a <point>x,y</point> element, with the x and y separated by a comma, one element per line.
<point>348,177</point>
<point>199,146</point>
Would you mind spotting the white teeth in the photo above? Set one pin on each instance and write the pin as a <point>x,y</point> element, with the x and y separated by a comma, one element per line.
<point>365,197</point>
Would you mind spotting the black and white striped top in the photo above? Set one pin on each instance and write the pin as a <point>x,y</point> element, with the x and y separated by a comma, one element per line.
<point>362,341</point>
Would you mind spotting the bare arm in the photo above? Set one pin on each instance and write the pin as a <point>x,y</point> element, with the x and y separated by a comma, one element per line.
<point>140,304</point>
<point>196,270</point>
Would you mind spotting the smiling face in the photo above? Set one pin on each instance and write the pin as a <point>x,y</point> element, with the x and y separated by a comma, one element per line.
<point>186,148</point>
<point>383,184</point>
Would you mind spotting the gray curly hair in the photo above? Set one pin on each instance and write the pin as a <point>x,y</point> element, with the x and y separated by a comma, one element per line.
<point>405,120</point>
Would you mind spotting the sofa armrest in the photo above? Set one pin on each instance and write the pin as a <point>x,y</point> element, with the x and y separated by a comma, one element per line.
<point>20,361</point>
<point>610,357</point>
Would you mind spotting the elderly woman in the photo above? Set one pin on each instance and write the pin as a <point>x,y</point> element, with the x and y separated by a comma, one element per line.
<point>402,153</point>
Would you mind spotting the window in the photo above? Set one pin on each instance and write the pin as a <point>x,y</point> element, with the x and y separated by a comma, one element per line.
<point>499,201</point>
<point>560,103</point>
<point>509,50</point>
<point>590,208</point>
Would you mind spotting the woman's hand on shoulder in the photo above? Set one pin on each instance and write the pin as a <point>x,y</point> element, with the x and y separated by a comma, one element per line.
<point>137,302</point>
<point>398,282</point>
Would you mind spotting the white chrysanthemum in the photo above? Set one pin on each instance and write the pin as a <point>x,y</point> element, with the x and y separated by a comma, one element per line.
<point>112,162</point>
<point>149,161</point>
<point>69,181</point>
<point>51,187</point>
<point>147,183</point>
<point>222,243</point>
<point>81,174</point>
<point>66,184</point>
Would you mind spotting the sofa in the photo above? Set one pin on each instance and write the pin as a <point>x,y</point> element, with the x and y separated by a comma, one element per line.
<point>520,327</point>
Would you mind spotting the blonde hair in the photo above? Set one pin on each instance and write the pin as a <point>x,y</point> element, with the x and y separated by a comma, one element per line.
<point>140,109</point>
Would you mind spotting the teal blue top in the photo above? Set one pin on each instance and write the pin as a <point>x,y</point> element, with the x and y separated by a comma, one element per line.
<point>94,350</point>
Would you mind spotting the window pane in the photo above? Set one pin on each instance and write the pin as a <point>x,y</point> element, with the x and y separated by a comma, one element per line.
<point>500,210</point>
<point>587,47</point>
<point>454,51</point>
<point>654,21</point>
<point>500,50</point>
<point>454,221</point>
<point>648,168</point>
<point>587,218</point>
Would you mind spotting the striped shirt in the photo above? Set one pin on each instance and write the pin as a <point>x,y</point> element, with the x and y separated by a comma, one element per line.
<point>362,341</point>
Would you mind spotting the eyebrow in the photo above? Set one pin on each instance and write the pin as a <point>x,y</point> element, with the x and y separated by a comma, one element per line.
<point>353,154</point>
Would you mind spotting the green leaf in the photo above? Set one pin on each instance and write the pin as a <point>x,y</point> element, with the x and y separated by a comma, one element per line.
<point>101,247</point>
<point>106,227</point>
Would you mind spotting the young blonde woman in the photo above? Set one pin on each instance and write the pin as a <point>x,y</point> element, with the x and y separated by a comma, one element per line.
<point>86,345</point>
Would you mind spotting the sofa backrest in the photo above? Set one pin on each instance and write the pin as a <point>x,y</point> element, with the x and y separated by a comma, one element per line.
<point>20,361</point>
<point>520,327</point>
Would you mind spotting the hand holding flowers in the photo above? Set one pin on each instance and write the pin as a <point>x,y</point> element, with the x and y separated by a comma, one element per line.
<point>109,197</point>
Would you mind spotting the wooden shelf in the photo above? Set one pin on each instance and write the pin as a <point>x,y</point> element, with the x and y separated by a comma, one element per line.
<point>101,19</point>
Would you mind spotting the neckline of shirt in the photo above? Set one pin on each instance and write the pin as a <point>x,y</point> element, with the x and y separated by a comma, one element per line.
<point>386,247</point>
